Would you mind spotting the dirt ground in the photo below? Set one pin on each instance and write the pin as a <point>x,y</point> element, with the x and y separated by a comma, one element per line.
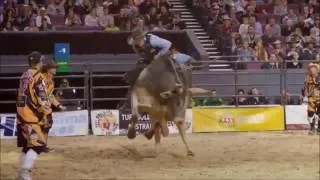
<point>260,155</point>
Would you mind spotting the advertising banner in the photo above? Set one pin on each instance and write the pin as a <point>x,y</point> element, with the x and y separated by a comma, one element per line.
<point>70,123</point>
<point>297,117</point>
<point>8,126</point>
<point>105,122</point>
<point>144,122</point>
<point>238,119</point>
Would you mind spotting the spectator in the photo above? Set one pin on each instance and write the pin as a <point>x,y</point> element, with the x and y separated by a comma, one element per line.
<point>1,14</point>
<point>84,7</point>
<point>45,26</point>
<point>309,53</point>
<point>260,52</point>
<point>255,97</point>
<point>65,92</point>
<point>251,37</point>
<point>315,36</point>
<point>287,99</point>
<point>164,16</point>
<point>72,18</point>
<point>290,16</point>
<point>91,19</point>
<point>152,17</point>
<point>306,12</point>
<point>32,26</point>
<point>56,8</point>
<point>304,25</point>
<point>164,3</point>
<point>115,8</point>
<point>246,53</point>
<point>160,27</point>
<point>215,16</point>
<point>293,60</point>
<point>226,27</point>
<point>288,28</point>
<point>257,25</point>
<point>275,28</point>
<point>97,7</point>
<point>177,24</point>
<point>243,29</point>
<point>233,15</point>
<point>280,8</point>
<point>42,17</point>
<point>34,8</point>
<point>111,26</point>
<point>69,4</point>
<point>131,8</point>
<point>272,63</point>
<point>241,98</point>
<point>105,18</point>
<point>268,36</point>
<point>278,50</point>
<point>9,27</point>
<point>213,100</point>
<point>145,6</point>
<point>122,21</point>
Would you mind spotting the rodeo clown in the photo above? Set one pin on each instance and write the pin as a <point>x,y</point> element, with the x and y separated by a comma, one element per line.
<point>49,71</point>
<point>312,96</point>
<point>32,109</point>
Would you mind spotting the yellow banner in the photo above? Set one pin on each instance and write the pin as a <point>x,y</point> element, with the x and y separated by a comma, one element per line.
<point>238,119</point>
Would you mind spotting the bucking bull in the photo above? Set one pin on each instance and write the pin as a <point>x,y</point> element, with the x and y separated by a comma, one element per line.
<point>162,90</point>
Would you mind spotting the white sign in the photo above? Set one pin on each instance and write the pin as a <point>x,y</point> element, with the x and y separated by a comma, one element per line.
<point>188,124</point>
<point>72,123</point>
<point>105,122</point>
<point>297,117</point>
<point>8,129</point>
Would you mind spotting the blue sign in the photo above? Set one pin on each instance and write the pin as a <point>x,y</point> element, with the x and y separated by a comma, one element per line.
<point>7,126</point>
<point>62,52</point>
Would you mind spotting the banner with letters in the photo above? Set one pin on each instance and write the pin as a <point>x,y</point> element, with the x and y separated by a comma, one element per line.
<point>144,122</point>
<point>8,126</point>
<point>297,117</point>
<point>70,123</point>
<point>105,122</point>
<point>238,119</point>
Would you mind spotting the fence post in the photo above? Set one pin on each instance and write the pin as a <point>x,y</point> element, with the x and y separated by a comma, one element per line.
<point>284,96</point>
<point>236,83</point>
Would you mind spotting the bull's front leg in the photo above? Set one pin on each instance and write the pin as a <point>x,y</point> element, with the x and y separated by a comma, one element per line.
<point>181,128</point>
<point>132,127</point>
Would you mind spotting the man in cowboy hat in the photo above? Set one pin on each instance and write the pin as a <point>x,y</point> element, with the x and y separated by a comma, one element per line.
<point>312,97</point>
<point>150,46</point>
<point>49,71</point>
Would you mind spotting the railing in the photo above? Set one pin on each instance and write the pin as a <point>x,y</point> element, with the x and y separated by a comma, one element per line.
<point>94,86</point>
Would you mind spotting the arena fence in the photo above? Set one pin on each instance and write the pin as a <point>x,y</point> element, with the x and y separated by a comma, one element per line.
<point>86,118</point>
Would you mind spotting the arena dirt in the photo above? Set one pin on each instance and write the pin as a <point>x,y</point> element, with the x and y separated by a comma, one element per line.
<point>264,155</point>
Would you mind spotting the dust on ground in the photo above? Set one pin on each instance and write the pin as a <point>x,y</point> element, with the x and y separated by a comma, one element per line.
<point>236,156</point>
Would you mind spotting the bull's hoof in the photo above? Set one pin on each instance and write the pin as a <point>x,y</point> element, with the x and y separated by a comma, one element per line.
<point>190,153</point>
<point>149,134</point>
<point>131,133</point>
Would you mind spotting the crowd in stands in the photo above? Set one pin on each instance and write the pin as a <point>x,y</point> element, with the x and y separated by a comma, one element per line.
<point>107,15</point>
<point>252,97</point>
<point>276,33</point>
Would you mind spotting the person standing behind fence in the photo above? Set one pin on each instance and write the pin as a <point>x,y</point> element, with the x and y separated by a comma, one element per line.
<point>32,110</point>
<point>49,70</point>
<point>312,97</point>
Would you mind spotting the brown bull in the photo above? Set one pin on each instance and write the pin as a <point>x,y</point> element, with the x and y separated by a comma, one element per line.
<point>161,90</point>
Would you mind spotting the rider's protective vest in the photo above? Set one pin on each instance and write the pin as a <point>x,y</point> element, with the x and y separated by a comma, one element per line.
<point>147,52</point>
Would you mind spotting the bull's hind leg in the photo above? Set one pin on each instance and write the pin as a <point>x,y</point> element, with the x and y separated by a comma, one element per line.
<point>135,115</point>
<point>181,128</point>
